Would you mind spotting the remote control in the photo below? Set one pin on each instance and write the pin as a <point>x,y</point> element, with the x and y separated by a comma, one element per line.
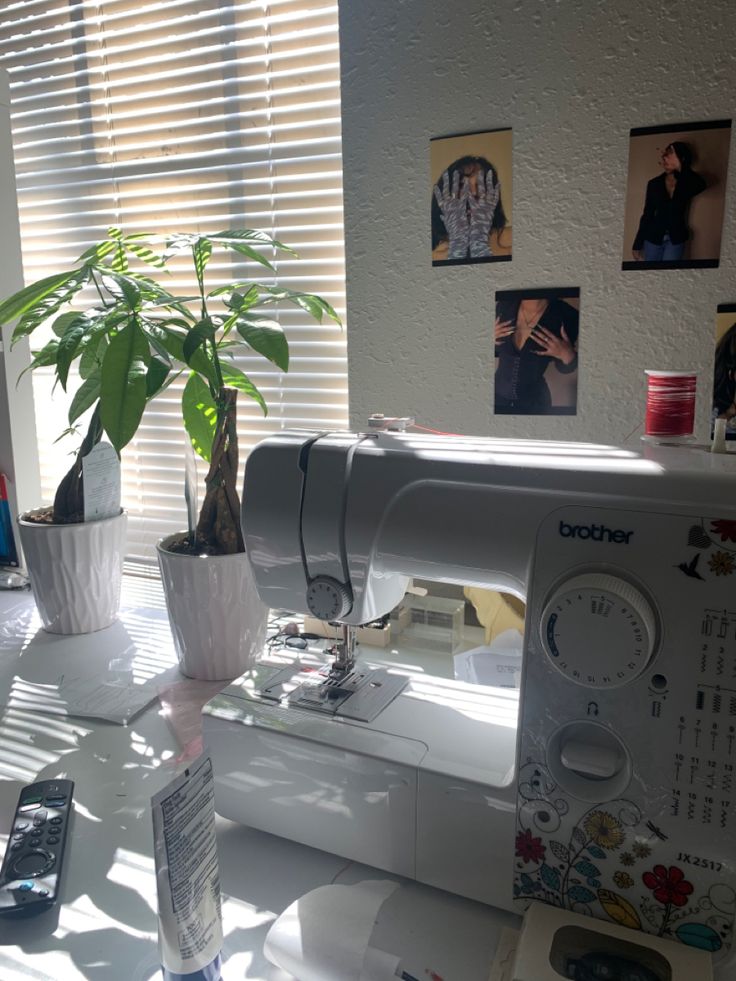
<point>31,870</point>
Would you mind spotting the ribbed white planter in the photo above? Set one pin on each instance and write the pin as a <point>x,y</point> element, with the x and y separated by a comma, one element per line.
<point>76,572</point>
<point>217,618</point>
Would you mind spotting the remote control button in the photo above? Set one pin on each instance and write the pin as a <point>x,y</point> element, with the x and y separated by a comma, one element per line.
<point>33,864</point>
<point>56,820</point>
<point>40,818</point>
<point>33,799</point>
<point>24,808</point>
<point>25,887</point>
<point>55,801</point>
<point>53,840</point>
<point>21,826</point>
<point>43,893</point>
<point>20,837</point>
<point>16,846</point>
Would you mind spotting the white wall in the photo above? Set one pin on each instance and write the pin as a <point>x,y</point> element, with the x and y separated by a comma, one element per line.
<point>571,77</point>
<point>18,456</point>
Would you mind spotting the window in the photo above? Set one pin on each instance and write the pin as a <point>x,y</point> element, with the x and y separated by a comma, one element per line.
<point>184,115</point>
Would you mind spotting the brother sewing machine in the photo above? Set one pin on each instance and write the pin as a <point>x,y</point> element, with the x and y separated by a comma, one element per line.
<point>608,789</point>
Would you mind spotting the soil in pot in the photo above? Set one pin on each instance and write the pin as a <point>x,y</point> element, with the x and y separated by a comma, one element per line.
<point>45,516</point>
<point>189,545</point>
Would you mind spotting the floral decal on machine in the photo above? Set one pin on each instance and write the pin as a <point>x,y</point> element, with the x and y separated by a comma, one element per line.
<point>611,845</point>
<point>718,536</point>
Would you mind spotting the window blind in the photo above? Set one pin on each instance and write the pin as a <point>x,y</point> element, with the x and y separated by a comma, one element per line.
<point>184,115</point>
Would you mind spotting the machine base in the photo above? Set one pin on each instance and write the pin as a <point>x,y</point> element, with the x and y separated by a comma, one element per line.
<point>425,790</point>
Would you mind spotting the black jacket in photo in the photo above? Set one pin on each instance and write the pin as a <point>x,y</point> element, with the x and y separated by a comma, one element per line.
<point>667,215</point>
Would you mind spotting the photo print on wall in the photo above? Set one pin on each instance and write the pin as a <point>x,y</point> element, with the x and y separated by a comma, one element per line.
<point>724,369</point>
<point>675,195</point>
<point>536,352</point>
<point>471,197</point>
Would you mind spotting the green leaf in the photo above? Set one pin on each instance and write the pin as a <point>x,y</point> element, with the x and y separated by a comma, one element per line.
<point>197,336</point>
<point>173,342</point>
<point>61,323</point>
<point>98,251</point>
<point>39,301</point>
<point>158,372</point>
<point>250,253</point>
<point>267,338</point>
<point>86,395</point>
<point>237,300</point>
<point>94,351</point>
<point>68,346</point>
<point>143,253</point>
<point>200,415</point>
<point>201,250</point>
<point>130,289</point>
<point>131,292</point>
<point>250,235</point>
<point>314,305</point>
<point>123,398</point>
<point>43,358</point>
<point>235,378</point>
<point>180,242</point>
<point>119,259</point>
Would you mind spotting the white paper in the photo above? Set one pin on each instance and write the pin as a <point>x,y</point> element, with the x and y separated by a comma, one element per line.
<point>324,935</point>
<point>111,674</point>
<point>187,873</point>
<point>101,476</point>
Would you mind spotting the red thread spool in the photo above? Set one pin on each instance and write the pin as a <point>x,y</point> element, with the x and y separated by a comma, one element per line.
<point>670,404</point>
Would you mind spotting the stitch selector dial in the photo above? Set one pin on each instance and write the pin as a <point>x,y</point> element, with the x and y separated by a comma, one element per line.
<point>598,630</point>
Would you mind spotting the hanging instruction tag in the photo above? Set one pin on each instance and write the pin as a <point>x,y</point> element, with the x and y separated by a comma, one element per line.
<point>187,875</point>
<point>101,475</point>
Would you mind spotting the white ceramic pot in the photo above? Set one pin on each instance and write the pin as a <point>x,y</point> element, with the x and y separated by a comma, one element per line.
<point>75,571</point>
<point>217,618</point>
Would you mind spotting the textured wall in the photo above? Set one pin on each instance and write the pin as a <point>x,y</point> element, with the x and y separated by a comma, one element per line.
<point>571,77</point>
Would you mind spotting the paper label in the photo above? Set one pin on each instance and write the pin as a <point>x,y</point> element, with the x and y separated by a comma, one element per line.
<point>187,872</point>
<point>101,475</point>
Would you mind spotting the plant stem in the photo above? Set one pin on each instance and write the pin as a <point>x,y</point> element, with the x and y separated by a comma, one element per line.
<point>99,291</point>
<point>667,911</point>
<point>218,396</point>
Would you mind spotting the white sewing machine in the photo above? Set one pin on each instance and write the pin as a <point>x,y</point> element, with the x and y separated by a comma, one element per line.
<point>614,794</point>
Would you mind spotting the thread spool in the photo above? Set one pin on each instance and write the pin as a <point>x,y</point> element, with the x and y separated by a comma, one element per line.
<point>670,412</point>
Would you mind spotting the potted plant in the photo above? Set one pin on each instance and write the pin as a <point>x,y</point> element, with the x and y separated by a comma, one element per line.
<point>216,617</point>
<point>75,566</point>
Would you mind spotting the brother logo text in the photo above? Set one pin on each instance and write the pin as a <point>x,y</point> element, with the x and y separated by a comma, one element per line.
<point>597,533</point>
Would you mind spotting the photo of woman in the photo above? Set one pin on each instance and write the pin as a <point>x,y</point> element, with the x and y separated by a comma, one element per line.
<point>676,193</point>
<point>724,368</point>
<point>536,343</point>
<point>663,228</point>
<point>471,195</point>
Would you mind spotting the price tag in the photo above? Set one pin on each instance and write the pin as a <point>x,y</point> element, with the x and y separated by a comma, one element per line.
<point>101,475</point>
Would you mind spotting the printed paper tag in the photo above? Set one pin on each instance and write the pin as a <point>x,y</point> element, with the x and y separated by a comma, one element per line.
<point>101,475</point>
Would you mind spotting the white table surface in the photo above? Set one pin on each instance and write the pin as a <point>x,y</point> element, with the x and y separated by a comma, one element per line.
<point>106,928</point>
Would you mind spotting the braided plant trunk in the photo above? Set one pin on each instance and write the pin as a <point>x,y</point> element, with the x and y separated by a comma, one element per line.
<point>218,528</point>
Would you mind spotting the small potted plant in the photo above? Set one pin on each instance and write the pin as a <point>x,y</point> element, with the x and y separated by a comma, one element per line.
<point>216,617</point>
<point>75,566</point>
